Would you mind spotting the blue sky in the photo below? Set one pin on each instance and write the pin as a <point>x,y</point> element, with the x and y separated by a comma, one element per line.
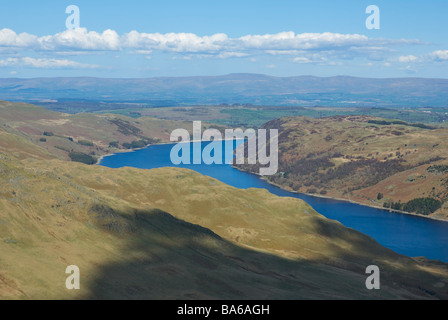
<point>138,38</point>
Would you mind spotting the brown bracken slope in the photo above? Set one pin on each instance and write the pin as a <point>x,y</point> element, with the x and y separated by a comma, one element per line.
<point>368,160</point>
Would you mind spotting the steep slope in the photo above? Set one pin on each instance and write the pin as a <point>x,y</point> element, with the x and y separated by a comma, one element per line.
<point>364,159</point>
<point>170,233</point>
<point>20,145</point>
<point>217,241</point>
<point>54,134</point>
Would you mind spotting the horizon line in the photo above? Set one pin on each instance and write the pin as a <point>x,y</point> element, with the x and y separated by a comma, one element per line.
<point>222,75</point>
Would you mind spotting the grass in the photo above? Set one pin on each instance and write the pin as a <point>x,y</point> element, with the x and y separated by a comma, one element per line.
<point>216,241</point>
<point>173,233</point>
<point>82,133</point>
<point>256,116</point>
<point>352,157</point>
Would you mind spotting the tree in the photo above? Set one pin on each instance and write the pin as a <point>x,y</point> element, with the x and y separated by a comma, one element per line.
<point>85,143</point>
<point>127,145</point>
<point>82,157</point>
<point>424,206</point>
<point>138,144</point>
<point>113,144</point>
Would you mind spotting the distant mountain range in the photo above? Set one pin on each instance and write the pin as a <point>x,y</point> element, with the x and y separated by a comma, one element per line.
<point>233,89</point>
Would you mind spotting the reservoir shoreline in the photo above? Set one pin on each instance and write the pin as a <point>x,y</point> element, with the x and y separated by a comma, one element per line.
<point>342,199</point>
<point>408,234</point>
<point>101,158</point>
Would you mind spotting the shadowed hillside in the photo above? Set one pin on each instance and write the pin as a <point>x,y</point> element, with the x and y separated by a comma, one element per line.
<point>248,245</point>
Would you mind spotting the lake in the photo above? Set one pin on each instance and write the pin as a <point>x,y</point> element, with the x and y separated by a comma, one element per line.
<point>406,234</point>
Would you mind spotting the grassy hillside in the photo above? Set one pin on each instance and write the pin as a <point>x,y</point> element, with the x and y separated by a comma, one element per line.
<point>215,242</point>
<point>250,116</point>
<point>369,160</point>
<point>171,233</point>
<point>45,133</point>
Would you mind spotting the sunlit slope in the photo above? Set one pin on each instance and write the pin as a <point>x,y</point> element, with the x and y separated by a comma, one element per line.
<point>20,146</point>
<point>360,157</point>
<point>57,134</point>
<point>216,241</point>
<point>168,233</point>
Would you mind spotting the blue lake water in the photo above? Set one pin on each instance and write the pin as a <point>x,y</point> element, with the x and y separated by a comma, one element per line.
<point>408,235</point>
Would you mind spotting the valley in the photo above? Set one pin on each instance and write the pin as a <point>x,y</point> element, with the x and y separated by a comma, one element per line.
<point>136,235</point>
<point>172,233</point>
<point>364,159</point>
<point>223,158</point>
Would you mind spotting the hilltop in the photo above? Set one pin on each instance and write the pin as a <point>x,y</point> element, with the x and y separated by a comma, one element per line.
<point>379,162</point>
<point>29,130</point>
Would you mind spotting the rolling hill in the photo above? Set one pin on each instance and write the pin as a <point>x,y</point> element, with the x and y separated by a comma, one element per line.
<point>53,134</point>
<point>135,234</point>
<point>365,159</point>
<point>172,233</point>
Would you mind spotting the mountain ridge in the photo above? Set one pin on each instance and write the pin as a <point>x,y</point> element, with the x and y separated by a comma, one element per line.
<point>257,89</point>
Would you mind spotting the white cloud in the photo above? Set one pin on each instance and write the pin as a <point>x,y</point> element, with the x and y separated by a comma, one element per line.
<point>317,58</point>
<point>303,41</point>
<point>176,42</point>
<point>225,55</point>
<point>409,69</point>
<point>275,44</point>
<point>435,56</point>
<point>144,52</point>
<point>81,39</point>
<point>44,63</point>
<point>77,53</point>
<point>302,60</point>
<point>9,62</point>
<point>439,55</point>
<point>407,59</point>
<point>319,48</point>
<point>217,55</point>
<point>283,52</point>
<point>8,38</point>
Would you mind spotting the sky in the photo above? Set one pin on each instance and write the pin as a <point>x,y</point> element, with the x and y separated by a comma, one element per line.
<point>141,39</point>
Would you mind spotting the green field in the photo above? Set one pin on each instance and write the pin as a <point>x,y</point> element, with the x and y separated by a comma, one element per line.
<point>256,116</point>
